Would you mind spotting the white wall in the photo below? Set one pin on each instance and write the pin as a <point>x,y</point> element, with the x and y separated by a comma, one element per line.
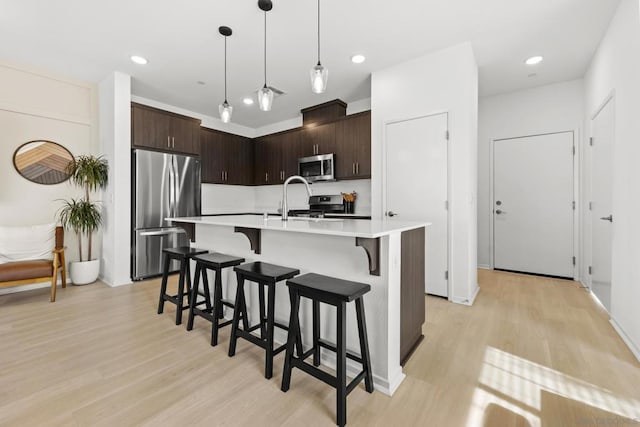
<point>446,80</point>
<point>547,109</point>
<point>115,146</point>
<point>38,105</point>
<point>616,67</point>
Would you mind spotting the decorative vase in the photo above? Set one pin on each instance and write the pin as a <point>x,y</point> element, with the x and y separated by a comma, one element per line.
<point>84,272</point>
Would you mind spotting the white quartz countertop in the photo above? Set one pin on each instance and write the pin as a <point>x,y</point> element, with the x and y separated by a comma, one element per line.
<point>332,227</point>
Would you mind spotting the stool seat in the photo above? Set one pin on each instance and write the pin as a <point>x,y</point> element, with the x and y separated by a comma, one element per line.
<point>326,287</point>
<point>184,251</point>
<point>217,260</point>
<point>262,271</point>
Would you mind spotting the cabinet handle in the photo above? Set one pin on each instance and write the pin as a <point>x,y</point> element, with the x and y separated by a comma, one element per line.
<point>226,176</point>
<point>168,141</point>
<point>353,168</point>
<point>221,176</point>
<point>173,142</point>
<point>266,177</point>
<point>357,168</point>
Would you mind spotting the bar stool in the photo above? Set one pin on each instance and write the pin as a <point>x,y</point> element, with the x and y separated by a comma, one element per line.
<point>265,275</point>
<point>336,292</point>
<point>213,312</point>
<point>182,254</point>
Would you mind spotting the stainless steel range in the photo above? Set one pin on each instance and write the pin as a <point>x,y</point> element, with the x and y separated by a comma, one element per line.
<point>321,205</point>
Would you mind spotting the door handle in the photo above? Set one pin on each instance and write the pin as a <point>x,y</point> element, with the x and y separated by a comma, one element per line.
<point>391,213</point>
<point>607,218</point>
<point>164,232</point>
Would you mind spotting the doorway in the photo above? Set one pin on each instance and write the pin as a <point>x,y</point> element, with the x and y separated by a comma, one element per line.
<point>533,204</point>
<point>601,142</point>
<point>416,187</point>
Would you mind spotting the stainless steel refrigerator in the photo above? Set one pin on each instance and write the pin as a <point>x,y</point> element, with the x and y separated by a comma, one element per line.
<point>163,185</point>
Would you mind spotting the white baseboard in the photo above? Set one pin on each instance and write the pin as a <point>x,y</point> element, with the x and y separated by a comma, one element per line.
<point>467,301</point>
<point>25,288</point>
<point>484,267</point>
<point>627,340</point>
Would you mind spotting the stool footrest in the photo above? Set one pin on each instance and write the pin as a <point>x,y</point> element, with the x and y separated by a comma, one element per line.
<point>258,341</point>
<point>314,372</point>
<point>174,299</point>
<point>330,346</point>
<point>227,303</point>
<point>354,382</point>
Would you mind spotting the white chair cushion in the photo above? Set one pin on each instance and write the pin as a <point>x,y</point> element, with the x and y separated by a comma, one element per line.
<point>29,242</point>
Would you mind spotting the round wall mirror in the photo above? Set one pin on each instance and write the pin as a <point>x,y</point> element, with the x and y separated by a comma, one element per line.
<point>42,162</point>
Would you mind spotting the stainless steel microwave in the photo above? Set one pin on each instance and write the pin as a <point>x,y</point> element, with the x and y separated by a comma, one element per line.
<point>317,168</point>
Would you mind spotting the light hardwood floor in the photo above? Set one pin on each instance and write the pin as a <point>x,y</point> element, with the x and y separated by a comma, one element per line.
<point>530,352</point>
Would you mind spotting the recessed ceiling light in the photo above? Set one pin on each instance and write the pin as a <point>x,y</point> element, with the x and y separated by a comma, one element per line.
<point>534,60</point>
<point>200,82</point>
<point>139,59</point>
<point>358,59</point>
<point>248,101</point>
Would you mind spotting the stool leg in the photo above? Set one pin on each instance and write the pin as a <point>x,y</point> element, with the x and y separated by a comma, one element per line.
<point>341,366</point>
<point>217,306</point>
<point>263,329</point>
<point>180,298</point>
<point>207,294</point>
<point>163,287</point>
<point>271,304</point>
<point>236,316</point>
<point>364,345</point>
<point>291,336</point>
<point>316,333</point>
<point>217,285</point>
<point>188,274</point>
<point>194,296</point>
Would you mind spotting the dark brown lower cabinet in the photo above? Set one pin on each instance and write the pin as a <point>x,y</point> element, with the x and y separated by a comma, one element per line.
<point>412,276</point>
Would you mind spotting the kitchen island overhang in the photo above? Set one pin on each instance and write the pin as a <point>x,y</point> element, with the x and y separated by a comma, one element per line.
<point>392,262</point>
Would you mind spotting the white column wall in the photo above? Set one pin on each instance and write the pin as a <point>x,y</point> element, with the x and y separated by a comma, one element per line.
<point>115,146</point>
<point>444,81</point>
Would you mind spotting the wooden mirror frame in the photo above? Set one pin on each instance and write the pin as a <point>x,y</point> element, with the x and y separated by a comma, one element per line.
<point>47,166</point>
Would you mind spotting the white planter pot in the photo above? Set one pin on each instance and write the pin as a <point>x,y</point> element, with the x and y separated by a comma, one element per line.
<point>84,272</point>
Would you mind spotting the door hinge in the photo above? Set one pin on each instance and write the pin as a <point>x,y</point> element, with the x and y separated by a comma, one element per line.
<point>574,150</point>
<point>446,135</point>
<point>591,141</point>
<point>446,205</point>
<point>446,275</point>
<point>590,269</point>
<point>573,205</point>
<point>573,260</point>
<point>590,206</point>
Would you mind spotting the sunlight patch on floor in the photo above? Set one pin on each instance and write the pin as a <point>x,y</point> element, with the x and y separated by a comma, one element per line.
<point>517,384</point>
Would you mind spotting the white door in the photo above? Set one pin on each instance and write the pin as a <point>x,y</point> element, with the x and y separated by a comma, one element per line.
<point>533,204</point>
<point>416,187</point>
<point>602,128</point>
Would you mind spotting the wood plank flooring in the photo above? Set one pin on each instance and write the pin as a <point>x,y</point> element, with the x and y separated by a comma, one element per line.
<point>530,352</point>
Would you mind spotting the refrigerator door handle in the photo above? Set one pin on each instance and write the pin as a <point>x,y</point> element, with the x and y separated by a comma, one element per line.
<point>172,186</point>
<point>163,232</point>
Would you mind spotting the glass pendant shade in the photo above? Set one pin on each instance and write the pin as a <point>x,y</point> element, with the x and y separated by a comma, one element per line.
<point>265,98</point>
<point>319,76</point>
<point>225,111</point>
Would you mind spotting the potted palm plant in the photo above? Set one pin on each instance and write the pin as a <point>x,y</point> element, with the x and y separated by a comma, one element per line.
<point>84,216</point>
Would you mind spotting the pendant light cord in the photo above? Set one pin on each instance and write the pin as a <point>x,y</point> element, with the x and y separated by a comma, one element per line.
<point>265,48</point>
<point>318,32</point>
<point>225,69</point>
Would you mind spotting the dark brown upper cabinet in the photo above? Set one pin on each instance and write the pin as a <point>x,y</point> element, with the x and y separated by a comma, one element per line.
<point>318,139</point>
<point>353,147</point>
<point>226,158</point>
<point>164,131</point>
<point>324,113</point>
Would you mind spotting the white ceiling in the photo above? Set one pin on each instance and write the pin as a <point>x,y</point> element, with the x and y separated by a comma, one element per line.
<point>88,39</point>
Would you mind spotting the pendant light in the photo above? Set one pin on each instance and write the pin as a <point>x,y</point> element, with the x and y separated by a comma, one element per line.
<point>225,109</point>
<point>265,95</point>
<point>319,74</point>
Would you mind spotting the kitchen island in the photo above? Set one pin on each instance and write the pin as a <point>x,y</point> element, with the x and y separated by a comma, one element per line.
<point>387,254</point>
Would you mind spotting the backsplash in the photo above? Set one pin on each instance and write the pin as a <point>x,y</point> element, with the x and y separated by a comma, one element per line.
<point>266,198</point>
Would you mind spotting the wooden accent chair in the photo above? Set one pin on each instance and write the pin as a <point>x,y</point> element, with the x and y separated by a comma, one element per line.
<point>18,273</point>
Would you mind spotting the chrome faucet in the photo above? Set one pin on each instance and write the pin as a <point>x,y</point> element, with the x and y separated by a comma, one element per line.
<point>285,205</point>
